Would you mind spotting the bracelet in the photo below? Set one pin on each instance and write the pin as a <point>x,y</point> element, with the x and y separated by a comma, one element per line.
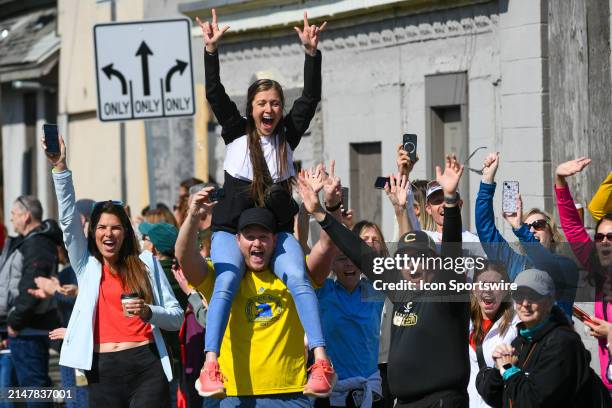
<point>334,208</point>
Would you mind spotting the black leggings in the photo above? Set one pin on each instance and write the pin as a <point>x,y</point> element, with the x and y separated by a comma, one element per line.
<point>130,378</point>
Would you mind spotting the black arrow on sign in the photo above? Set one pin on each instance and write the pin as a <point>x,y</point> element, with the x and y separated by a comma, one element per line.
<point>109,71</point>
<point>144,51</point>
<point>180,67</point>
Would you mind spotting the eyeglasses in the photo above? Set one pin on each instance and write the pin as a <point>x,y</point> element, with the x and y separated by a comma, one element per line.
<point>101,203</point>
<point>599,237</point>
<point>531,296</point>
<point>538,225</point>
<point>477,171</point>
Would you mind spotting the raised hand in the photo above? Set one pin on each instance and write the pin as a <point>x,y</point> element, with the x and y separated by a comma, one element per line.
<point>310,198</point>
<point>489,168</point>
<point>404,164</point>
<point>572,167</point>
<point>211,32</point>
<point>516,219</point>
<point>200,204</point>
<point>449,179</point>
<point>332,187</point>
<point>309,36</point>
<point>397,190</point>
<point>315,177</point>
<point>181,280</point>
<point>58,161</point>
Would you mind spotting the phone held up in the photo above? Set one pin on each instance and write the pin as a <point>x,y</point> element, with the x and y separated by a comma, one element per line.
<point>409,144</point>
<point>510,194</point>
<point>381,181</point>
<point>345,200</point>
<point>216,195</point>
<point>51,138</point>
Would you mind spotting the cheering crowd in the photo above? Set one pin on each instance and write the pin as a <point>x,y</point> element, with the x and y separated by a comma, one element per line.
<point>223,301</point>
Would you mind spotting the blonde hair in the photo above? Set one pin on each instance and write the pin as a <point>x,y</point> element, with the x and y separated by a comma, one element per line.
<point>556,235</point>
<point>419,189</point>
<point>161,214</point>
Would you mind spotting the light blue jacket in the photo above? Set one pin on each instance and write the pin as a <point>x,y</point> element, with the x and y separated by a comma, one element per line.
<point>77,349</point>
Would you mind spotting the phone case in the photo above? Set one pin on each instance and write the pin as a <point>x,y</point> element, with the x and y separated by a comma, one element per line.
<point>409,144</point>
<point>509,196</point>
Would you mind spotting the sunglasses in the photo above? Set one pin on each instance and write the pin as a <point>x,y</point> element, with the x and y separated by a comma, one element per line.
<point>521,295</point>
<point>477,171</point>
<point>538,225</point>
<point>24,204</point>
<point>599,237</point>
<point>99,204</point>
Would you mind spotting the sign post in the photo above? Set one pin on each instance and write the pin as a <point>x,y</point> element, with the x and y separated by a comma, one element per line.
<point>144,70</point>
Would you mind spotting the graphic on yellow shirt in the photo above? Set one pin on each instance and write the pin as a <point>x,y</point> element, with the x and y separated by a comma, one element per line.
<point>263,346</point>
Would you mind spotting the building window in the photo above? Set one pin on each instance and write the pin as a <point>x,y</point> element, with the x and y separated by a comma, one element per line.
<point>365,166</point>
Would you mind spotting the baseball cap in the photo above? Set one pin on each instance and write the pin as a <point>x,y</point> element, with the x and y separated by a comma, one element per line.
<point>257,216</point>
<point>536,280</point>
<point>416,240</point>
<point>432,187</point>
<point>162,235</point>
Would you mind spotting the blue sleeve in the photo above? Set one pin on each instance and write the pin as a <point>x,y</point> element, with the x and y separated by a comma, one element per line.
<point>493,243</point>
<point>562,269</point>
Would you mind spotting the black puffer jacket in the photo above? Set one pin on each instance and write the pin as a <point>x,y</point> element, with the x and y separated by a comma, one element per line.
<point>555,371</point>
<point>38,257</point>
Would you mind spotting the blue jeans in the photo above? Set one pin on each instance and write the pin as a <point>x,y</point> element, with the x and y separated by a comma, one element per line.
<point>295,400</point>
<point>8,377</point>
<point>79,394</point>
<point>31,361</point>
<point>287,263</point>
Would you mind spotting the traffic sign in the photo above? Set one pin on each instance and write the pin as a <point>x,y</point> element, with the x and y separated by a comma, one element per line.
<point>144,69</point>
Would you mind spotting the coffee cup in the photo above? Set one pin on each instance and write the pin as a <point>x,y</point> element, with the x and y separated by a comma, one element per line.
<point>128,298</point>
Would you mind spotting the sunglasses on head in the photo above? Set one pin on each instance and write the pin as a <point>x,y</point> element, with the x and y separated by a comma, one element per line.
<point>24,204</point>
<point>538,225</point>
<point>101,203</point>
<point>531,296</point>
<point>599,237</point>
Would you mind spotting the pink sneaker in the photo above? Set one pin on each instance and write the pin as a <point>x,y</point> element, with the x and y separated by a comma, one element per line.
<point>322,379</point>
<point>210,383</point>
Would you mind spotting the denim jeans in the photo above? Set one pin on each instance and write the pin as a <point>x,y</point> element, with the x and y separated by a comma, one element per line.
<point>287,263</point>
<point>31,361</point>
<point>79,394</point>
<point>294,400</point>
<point>8,378</point>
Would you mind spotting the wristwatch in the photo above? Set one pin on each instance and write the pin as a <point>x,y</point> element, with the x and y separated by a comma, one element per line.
<point>451,199</point>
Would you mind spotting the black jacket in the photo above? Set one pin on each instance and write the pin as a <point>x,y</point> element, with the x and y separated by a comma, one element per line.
<point>555,371</point>
<point>39,258</point>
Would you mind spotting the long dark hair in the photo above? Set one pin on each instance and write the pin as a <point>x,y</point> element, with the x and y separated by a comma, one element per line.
<point>132,271</point>
<point>596,274</point>
<point>505,311</point>
<point>259,184</point>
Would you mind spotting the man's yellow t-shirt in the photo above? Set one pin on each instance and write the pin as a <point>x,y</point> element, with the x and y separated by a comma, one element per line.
<point>263,346</point>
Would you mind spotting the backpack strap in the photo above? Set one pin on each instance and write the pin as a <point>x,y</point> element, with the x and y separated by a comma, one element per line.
<point>480,356</point>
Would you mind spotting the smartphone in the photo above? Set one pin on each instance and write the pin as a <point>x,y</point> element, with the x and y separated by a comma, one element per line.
<point>216,195</point>
<point>381,181</point>
<point>345,200</point>
<point>510,193</point>
<point>409,144</point>
<point>582,315</point>
<point>51,138</point>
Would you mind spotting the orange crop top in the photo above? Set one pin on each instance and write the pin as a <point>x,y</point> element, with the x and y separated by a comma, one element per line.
<point>110,324</point>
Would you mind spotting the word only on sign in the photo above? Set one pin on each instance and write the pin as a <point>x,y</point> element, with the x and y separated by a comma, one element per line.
<point>144,69</point>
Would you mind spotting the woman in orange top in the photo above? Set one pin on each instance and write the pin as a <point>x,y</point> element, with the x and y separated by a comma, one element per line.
<point>115,339</point>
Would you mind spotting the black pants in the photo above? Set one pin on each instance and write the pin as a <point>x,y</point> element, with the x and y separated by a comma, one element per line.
<point>389,400</point>
<point>442,399</point>
<point>131,378</point>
